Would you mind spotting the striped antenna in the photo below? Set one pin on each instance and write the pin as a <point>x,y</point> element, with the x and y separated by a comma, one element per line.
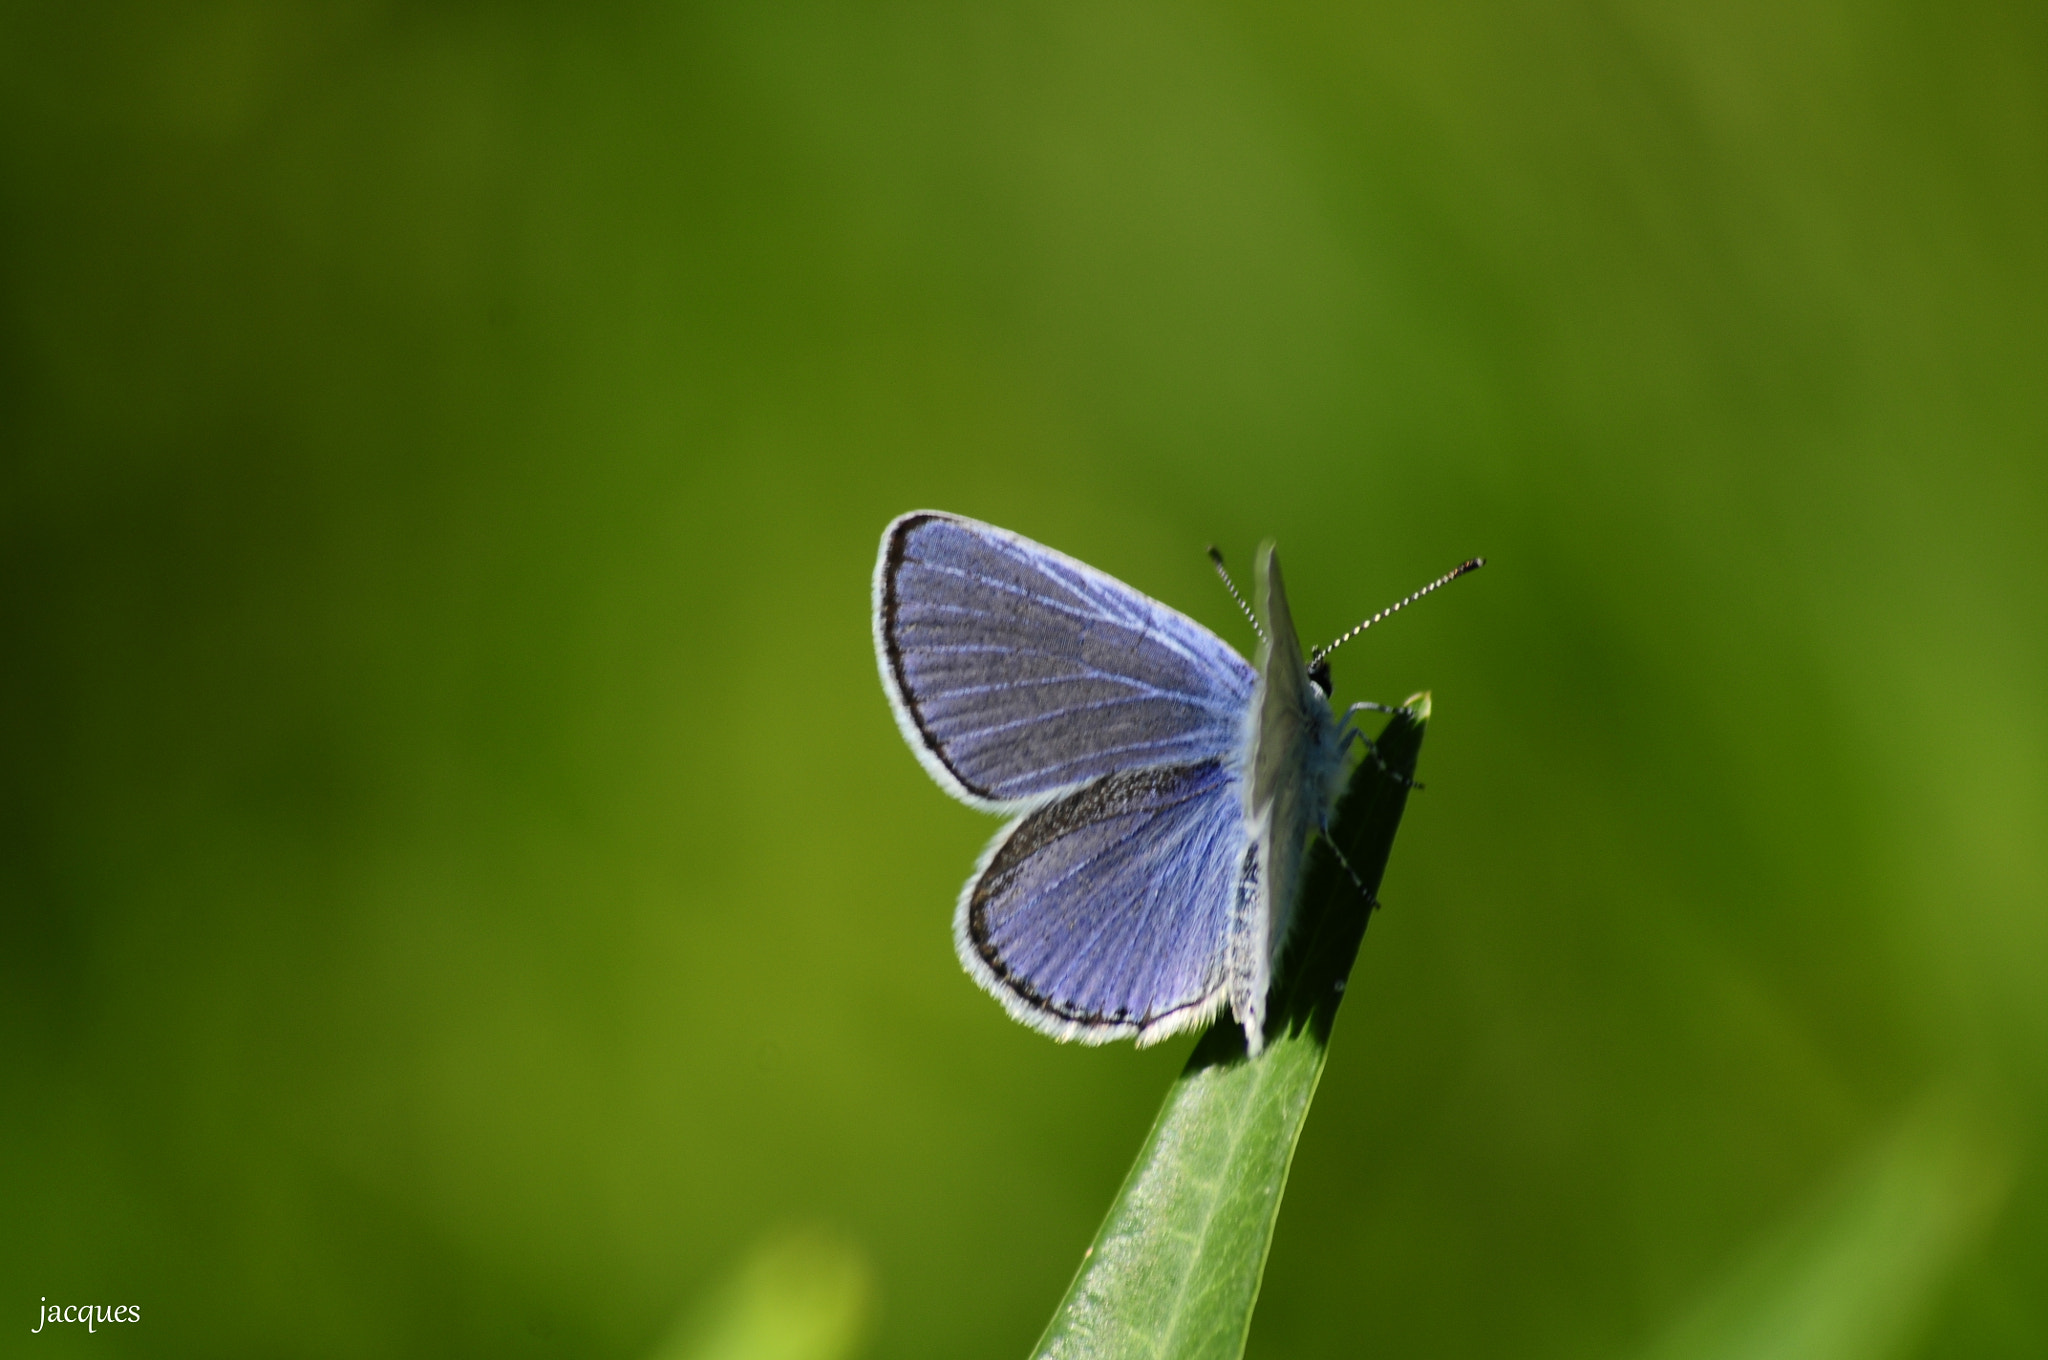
<point>1216,556</point>
<point>1395,608</point>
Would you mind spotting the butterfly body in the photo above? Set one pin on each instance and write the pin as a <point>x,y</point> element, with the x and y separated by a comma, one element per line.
<point>1293,746</point>
<point>1161,788</point>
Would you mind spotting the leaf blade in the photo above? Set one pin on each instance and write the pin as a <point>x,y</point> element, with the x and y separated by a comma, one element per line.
<point>1174,1272</point>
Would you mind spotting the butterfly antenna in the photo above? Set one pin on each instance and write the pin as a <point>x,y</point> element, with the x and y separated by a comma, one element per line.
<point>1395,608</point>
<point>1216,556</point>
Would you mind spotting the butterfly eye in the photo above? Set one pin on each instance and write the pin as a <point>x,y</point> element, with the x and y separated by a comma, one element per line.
<point>1319,676</point>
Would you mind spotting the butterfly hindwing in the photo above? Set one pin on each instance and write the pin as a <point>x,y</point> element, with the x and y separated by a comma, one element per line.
<point>1017,672</point>
<point>1105,913</point>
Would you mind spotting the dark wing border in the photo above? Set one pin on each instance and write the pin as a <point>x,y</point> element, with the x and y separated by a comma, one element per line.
<point>921,739</point>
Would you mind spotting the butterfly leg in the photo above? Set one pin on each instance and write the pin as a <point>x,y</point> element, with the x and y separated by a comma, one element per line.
<point>1372,903</point>
<point>1350,734</point>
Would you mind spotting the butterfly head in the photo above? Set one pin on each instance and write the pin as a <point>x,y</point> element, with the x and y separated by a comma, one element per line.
<point>1319,674</point>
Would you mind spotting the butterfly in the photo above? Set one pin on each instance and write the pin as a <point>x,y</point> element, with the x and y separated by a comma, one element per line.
<point>1161,790</point>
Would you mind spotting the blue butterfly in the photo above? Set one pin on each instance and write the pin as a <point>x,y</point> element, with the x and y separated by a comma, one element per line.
<point>1161,789</point>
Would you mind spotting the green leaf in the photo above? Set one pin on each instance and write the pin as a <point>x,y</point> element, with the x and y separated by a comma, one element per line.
<point>1175,1270</point>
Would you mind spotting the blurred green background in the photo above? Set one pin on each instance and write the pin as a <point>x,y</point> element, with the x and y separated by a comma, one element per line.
<point>463,892</point>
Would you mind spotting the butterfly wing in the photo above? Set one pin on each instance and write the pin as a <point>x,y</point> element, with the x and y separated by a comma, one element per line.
<point>1016,672</point>
<point>1105,914</point>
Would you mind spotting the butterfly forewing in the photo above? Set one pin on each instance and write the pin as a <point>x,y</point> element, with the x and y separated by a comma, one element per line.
<point>1017,672</point>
